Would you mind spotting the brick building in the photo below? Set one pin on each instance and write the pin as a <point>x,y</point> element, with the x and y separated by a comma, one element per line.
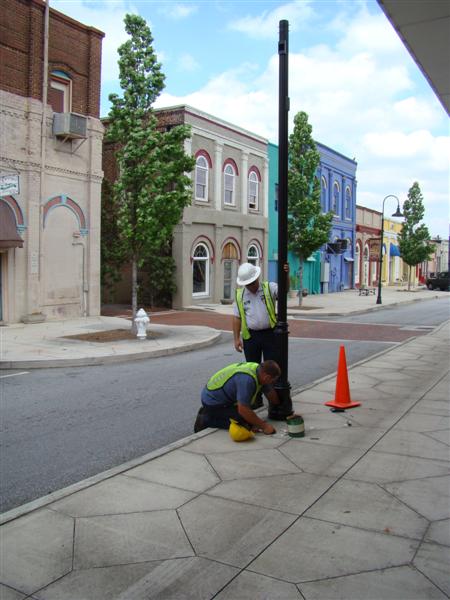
<point>227,222</point>
<point>50,164</point>
<point>368,227</point>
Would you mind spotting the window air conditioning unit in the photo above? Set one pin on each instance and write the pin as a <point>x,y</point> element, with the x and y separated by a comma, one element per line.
<point>69,125</point>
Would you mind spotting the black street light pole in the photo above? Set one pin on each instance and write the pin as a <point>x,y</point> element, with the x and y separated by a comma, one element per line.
<point>398,213</point>
<point>283,387</point>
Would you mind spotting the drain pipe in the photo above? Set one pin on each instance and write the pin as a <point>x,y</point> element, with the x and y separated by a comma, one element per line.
<point>84,288</point>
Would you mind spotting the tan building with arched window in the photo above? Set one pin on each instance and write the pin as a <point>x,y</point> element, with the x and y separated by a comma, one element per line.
<point>227,221</point>
<point>50,165</point>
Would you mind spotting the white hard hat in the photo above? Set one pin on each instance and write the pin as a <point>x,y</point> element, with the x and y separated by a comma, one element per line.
<point>247,273</point>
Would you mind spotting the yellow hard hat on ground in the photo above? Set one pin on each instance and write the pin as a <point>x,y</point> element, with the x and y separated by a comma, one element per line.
<point>239,433</point>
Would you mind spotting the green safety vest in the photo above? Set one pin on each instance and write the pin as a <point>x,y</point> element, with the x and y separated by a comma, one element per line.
<point>269,305</point>
<point>219,379</point>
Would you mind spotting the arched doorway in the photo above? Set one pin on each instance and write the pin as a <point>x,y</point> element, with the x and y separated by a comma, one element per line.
<point>230,259</point>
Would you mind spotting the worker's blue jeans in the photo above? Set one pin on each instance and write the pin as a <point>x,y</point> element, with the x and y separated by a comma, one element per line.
<point>217,416</point>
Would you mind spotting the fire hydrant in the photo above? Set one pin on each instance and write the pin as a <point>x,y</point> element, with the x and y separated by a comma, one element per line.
<point>141,321</point>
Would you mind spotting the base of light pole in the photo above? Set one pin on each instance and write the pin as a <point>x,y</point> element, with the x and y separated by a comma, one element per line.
<point>379,300</point>
<point>283,410</point>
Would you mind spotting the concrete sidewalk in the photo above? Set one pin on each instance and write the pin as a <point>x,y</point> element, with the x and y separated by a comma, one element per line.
<point>49,344</point>
<point>358,509</point>
<point>348,302</point>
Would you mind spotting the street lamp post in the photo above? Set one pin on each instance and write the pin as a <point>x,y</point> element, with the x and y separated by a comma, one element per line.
<point>398,213</point>
<point>282,386</point>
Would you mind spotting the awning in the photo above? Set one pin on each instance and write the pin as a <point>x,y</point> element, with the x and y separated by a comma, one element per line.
<point>349,259</point>
<point>9,238</point>
<point>393,250</point>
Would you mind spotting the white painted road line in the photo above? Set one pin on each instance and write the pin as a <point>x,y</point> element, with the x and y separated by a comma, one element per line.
<point>14,374</point>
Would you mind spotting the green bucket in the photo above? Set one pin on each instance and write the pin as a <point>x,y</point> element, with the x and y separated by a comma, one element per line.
<point>296,426</point>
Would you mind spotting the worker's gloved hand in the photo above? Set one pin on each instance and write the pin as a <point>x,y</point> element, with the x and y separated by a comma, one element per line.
<point>268,429</point>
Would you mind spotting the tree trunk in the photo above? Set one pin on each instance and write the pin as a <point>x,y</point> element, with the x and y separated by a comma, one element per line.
<point>300,286</point>
<point>409,278</point>
<point>133,292</point>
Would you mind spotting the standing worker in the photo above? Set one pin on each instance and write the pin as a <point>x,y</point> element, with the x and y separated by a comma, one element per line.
<point>231,394</point>
<point>254,317</point>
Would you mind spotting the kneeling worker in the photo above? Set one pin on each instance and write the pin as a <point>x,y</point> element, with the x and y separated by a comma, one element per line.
<point>232,392</point>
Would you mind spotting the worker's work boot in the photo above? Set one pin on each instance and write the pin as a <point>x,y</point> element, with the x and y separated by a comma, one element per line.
<point>200,421</point>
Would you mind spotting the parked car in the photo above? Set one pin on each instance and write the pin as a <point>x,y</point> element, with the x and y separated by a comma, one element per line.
<point>440,280</point>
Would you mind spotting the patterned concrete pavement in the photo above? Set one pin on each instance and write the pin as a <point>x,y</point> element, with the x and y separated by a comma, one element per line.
<point>358,509</point>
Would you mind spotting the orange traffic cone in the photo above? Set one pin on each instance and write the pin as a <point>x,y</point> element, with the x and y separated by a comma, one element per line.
<point>342,394</point>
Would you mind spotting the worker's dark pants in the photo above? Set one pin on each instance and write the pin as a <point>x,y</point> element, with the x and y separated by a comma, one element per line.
<point>260,345</point>
<point>217,416</point>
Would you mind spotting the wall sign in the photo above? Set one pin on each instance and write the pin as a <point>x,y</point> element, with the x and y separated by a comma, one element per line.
<point>9,184</point>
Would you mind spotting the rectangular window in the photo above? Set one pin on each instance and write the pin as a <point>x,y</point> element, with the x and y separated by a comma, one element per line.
<point>253,194</point>
<point>276,197</point>
<point>59,95</point>
<point>229,185</point>
<point>200,184</point>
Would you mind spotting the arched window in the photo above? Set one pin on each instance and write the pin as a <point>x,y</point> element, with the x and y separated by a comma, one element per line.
<point>357,263</point>
<point>253,189</point>
<point>323,194</point>
<point>348,203</point>
<point>60,92</point>
<point>200,271</point>
<point>253,255</point>
<point>335,198</point>
<point>228,185</point>
<point>201,179</point>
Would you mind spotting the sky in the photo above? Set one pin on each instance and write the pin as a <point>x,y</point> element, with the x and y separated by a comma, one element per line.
<point>364,95</point>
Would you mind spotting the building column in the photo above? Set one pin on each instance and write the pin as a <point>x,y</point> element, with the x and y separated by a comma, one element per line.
<point>265,185</point>
<point>34,258</point>
<point>218,151</point>
<point>244,182</point>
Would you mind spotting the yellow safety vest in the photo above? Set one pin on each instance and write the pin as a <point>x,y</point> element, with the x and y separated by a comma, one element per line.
<point>269,305</point>
<point>219,379</point>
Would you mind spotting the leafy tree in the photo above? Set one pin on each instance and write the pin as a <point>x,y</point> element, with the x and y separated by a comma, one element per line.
<point>152,187</point>
<point>414,238</point>
<point>111,249</point>
<point>308,227</point>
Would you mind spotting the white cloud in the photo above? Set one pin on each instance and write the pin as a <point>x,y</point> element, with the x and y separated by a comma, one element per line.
<point>360,103</point>
<point>267,24</point>
<point>187,62</point>
<point>178,11</point>
<point>365,31</point>
<point>420,145</point>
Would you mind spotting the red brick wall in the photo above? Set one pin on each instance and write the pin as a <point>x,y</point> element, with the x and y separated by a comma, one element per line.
<point>73,48</point>
<point>166,118</point>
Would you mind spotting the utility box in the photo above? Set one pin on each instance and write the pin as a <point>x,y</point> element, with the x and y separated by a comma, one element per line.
<point>324,272</point>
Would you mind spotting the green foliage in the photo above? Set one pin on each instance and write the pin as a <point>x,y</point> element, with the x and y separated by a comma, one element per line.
<point>111,250</point>
<point>308,227</point>
<point>152,187</point>
<point>414,238</point>
<point>159,270</point>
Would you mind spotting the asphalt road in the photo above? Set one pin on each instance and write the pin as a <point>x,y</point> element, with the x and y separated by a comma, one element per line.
<point>60,426</point>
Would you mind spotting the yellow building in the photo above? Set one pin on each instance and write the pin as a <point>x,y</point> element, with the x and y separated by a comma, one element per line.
<point>395,271</point>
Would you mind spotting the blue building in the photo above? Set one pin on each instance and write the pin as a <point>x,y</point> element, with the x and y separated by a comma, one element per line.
<point>331,268</point>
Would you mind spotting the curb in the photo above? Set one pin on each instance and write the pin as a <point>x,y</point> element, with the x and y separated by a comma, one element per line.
<point>360,311</point>
<point>108,359</point>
